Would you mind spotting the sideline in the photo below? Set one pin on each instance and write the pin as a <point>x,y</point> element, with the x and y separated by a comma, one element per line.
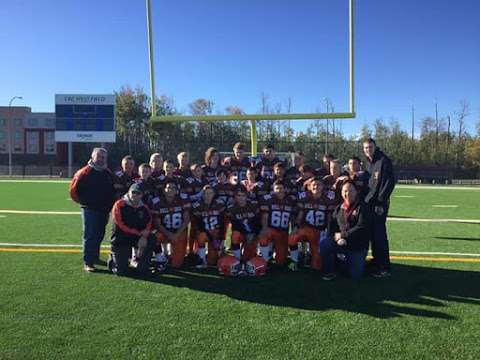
<point>39,212</point>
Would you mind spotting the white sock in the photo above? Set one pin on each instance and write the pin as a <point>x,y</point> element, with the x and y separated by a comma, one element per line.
<point>237,253</point>
<point>265,251</point>
<point>164,248</point>
<point>202,253</point>
<point>294,255</point>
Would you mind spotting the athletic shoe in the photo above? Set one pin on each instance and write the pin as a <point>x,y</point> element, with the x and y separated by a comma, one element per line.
<point>101,262</point>
<point>329,277</point>
<point>89,268</point>
<point>381,274</point>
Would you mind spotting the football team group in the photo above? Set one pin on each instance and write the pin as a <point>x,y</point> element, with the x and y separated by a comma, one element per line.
<point>178,214</point>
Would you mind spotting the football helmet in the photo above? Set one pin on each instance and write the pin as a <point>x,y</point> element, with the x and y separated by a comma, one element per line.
<point>256,266</point>
<point>229,266</point>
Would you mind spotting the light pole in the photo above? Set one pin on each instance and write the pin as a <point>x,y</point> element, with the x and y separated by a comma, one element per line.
<point>10,111</point>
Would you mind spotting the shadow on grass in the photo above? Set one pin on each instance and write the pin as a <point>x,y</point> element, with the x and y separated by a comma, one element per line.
<point>457,238</point>
<point>408,292</point>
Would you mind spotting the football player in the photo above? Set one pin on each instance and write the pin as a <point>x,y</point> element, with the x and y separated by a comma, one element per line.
<point>255,189</point>
<point>244,217</point>
<point>212,165</point>
<point>208,214</point>
<point>267,161</point>
<point>156,163</point>
<point>359,177</point>
<point>312,221</point>
<point>277,209</point>
<point>171,214</point>
<point>237,164</point>
<point>183,168</point>
<point>147,183</point>
<point>125,177</point>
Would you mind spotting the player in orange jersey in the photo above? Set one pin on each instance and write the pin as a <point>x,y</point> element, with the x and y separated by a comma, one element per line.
<point>208,215</point>
<point>312,220</point>
<point>172,216</point>
<point>277,209</point>
<point>244,217</point>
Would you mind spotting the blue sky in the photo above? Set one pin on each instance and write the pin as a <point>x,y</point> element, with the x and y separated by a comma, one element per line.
<point>230,51</point>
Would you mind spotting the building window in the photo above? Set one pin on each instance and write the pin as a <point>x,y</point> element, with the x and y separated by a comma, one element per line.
<point>32,123</point>
<point>3,122</point>
<point>32,142</point>
<point>50,123</point>
<point>18,123</point>
<point>18,142</point>
<point>3,141</point>
<point>49,145</point>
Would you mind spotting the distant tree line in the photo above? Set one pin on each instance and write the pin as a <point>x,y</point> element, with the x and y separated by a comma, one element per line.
<point>432,142</point>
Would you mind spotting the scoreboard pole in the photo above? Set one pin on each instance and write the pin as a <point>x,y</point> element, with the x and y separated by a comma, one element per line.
<point>70,159</point>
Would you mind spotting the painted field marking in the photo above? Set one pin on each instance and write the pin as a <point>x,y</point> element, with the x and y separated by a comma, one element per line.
<point>445,206</point>
<point>35,181</point>
<point>404,196</point>
<point>423,253</point>
<point>78,251</point>
<point>464,221</point>
<point>420,187</point>
<point>34,212</point>
<point>3,216</point>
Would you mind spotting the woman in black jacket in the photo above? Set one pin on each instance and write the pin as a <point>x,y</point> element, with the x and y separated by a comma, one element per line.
<point>348,235</point>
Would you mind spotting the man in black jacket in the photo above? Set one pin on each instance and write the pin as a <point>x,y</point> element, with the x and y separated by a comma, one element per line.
<point>380,187</point>
<point>92,187</point>
<point>131,228</point>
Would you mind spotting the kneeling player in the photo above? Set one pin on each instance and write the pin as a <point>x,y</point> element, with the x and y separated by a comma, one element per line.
<point>172,218</point>
<point>312,220</point>
<point>277,210</point>
<point>132,223</point>
<point>243,215</point>
<point>208,214</point>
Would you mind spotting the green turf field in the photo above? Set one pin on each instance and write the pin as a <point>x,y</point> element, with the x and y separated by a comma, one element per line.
<point>429,309</point>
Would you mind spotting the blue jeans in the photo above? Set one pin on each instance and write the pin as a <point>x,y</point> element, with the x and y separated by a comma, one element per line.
<point>353,265</point>
<point>94,223</point>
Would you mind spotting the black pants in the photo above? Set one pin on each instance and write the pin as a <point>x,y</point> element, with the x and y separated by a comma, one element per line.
<point>379,240</point>
<point>121,254</point>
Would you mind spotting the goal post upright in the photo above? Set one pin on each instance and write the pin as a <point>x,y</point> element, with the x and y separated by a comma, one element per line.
<point>253,118</point>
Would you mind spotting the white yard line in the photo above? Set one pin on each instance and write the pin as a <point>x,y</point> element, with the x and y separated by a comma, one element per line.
<point>432,253</point>
<point>404,196</point>
<point>35,181</point>
<point>469,221</point>
<point>432,187</point>
<point>445,206</point>
<point>34,212</point>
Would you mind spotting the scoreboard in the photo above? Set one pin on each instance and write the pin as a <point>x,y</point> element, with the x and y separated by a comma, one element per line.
<point>84,118</point>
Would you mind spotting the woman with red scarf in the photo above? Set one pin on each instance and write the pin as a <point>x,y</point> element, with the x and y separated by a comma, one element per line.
<point>349,236</point>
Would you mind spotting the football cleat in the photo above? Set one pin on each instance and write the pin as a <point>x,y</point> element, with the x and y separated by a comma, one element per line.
<point>229,266</point>
<point>256,266</point>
